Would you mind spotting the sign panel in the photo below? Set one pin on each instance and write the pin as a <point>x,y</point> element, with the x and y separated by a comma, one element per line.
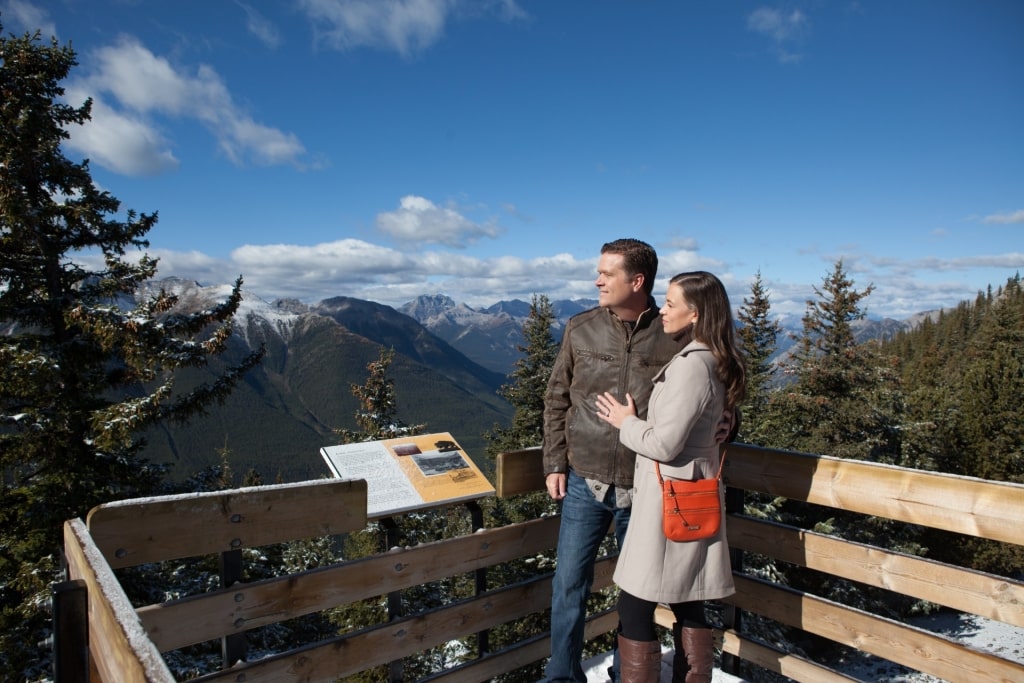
<point>409,473</point>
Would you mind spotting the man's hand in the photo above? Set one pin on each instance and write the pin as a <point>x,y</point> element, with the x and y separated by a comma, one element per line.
<point>556,485</point>
<point>725,426</point>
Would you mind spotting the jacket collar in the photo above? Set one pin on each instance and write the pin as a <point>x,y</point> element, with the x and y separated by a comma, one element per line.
<point>693,345</point>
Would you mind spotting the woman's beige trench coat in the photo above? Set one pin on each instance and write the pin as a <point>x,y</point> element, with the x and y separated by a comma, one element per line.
<point>679,431</point>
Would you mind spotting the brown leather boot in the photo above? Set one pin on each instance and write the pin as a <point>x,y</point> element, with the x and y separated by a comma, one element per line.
<point>640,660</point>
<point>700,654</point>
<point>679,665</point>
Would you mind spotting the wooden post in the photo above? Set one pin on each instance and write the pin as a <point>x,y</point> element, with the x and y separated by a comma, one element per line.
<point>70,601</point>
<point>233,647</point>
<point>476,515</point>
<point>732,617</point>
<point>394,597</point>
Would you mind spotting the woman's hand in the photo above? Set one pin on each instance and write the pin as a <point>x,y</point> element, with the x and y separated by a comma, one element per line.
<point>613,412</point>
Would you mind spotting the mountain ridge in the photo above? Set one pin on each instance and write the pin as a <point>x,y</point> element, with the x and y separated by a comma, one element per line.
<point>450,361</point>
<point>289,406</point>
<point>492,336</point>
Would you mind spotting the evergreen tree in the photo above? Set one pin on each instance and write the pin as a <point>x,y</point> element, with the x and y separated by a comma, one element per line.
<point>525,391</point>
<point>758,335</point>
<point>758,338</point>
<point>377,417</point>
<point>988,430</point>
<point>846,399</point>
<point>529,382</point>
<point>963,379</point>
<point>81,373</point>
<point>964,373</point>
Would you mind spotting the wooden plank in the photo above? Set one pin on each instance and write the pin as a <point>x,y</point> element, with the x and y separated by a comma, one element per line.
<point>134,532</point>
<point>988,595</point>
<point>195,619</point>
<point>520,472</point>
<point>347,655</point>
<point>520,654</point>
<point>336,658</point>
<point>792,667</point>
<point>907,645</point>
<point>965,505</point>
<point>120,650</point>
<point>970,506</point>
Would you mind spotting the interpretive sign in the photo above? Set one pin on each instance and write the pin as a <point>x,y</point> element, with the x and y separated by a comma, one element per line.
<point>409,473</point>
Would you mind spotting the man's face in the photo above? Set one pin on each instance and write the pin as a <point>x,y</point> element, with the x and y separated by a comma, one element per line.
<point>615,287</point>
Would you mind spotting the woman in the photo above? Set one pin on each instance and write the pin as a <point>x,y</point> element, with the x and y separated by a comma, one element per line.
<point>690,394</point>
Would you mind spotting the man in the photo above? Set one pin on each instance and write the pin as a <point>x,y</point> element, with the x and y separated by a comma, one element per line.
<point>618,347</point>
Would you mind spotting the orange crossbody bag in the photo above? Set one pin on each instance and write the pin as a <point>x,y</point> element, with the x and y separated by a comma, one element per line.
<point>692,510</point>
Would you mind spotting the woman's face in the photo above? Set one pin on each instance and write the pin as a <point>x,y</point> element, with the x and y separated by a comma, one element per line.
<point>676,314</point>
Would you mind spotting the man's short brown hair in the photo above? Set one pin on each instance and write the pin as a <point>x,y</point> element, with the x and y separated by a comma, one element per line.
<point>638,257</point>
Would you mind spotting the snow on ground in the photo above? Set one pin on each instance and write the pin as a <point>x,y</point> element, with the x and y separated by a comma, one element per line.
<point>996,637</point>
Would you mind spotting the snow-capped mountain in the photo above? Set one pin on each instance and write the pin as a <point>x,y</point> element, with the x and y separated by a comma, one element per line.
<point>492,336</point>
<point>286,408</point>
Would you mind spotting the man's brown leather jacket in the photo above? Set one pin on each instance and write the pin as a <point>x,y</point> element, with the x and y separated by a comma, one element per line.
<point>598,354</point>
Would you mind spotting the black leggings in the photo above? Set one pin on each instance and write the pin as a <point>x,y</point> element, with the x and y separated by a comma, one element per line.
<point>636,616</point>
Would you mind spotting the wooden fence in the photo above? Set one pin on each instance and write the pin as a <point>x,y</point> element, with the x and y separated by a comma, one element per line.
<point>125,642</point>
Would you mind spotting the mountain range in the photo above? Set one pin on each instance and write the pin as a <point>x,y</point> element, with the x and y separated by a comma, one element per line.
<point>286,409</point>
<point>492,336</point>
<point>450,360</point>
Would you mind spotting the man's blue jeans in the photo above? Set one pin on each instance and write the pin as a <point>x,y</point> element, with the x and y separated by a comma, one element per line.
<point>585,523</point>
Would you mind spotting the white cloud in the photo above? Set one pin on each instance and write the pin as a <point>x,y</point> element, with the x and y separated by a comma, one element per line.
<point>394,275</point>
<point>353,267</point>
<point>340,261</point>
<point>418,220</point>
<point>787,57</point>
<point>777,25</point>
<point>29,17</point>
<point>133,89</point>
<point>360,269</point>
<point>1006,261</point>
<point>242,139</point>
<point>260,26</point>
<point>120,143</point>
<point>140,80</point>
<point>513,210</point>
<point>782,28</point>
<point>357,268</point>
<point>1005,218</point>
<point>193,265</point>
<point>687,243</point>
<point>681,261</point>
<point>404,26</point>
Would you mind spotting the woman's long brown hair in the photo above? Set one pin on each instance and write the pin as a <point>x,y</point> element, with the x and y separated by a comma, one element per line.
<point>716,328</point>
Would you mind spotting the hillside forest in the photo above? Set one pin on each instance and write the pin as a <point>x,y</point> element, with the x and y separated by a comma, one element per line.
<point>83,379</point>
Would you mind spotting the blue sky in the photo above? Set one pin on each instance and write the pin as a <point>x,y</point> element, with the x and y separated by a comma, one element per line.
<point>485,149</point>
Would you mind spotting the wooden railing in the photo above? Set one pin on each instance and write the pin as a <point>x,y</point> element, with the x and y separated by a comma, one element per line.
<point>125,641</point>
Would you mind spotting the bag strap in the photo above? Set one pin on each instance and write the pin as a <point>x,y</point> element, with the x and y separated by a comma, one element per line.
<point>721,463</point>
